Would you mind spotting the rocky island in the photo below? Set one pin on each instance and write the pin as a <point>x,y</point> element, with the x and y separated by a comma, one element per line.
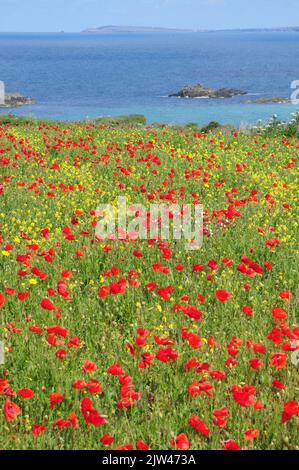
<point>202,91</point>
<point>273,100</point>
<point>12,100</point>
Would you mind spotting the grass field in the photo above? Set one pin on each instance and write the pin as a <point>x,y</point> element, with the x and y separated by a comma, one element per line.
<point>141,343</point>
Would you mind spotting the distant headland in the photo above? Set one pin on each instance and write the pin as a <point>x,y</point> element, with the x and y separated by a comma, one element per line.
<point>153,29</point>
<point>135,29</point>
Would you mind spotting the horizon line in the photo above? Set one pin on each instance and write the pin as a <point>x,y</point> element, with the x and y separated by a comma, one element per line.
<point>172,28</point>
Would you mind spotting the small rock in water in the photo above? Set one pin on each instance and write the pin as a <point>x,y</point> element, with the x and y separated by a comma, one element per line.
<point>202,91</point>
<point>16,99</point>
<point>274,99</point>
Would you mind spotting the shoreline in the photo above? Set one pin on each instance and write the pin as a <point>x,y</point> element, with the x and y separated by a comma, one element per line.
<point>177,112</point>
<point>132,121</point>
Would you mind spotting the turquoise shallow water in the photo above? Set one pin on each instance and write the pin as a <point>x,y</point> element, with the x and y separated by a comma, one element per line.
<point>74,76</point>
<point>226,114</point>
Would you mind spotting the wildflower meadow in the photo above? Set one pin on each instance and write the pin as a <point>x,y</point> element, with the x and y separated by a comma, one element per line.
<point>129,343</point>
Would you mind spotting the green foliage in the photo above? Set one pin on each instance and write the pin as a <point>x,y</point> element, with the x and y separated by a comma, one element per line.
<point>129,120</point>
<point>279,128</point>
<point>16,120</point>
<point>212,125</point>
<point>192,126</point>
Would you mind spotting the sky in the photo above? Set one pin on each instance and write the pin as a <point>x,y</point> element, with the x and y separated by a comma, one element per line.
<point>76,15</point>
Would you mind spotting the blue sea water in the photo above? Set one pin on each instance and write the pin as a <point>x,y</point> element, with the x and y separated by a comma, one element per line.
<point>75,76</point>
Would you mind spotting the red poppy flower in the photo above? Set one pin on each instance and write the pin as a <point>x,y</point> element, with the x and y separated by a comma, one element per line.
<point>11,410</point>
<point>137,253</point>
<point>272,242</point>
<point>258,405</point>
<point>213,264</point>
<point>197,388</point>
<point>37,429</point>
<point>199,425</point>
<point>197,268</point>
<point>291,408</point>
<point>163,341</point>
<point>73,419</point>
<point>118,287</point>
<point>286,295</point>
<point>23,295</point>
<point>221,412</point>
<point>201,298</point>
<point>36,329</point>
<point>278,360</point>
<point>151,286</point>
<point>61,423</point>
<point>2,300</point>
<point>227,261</point>
<point>141,445</point>
<point>166,355</point>
<point>47,304</point>
<point>61,353</point>
<point>222,295</point>
<point>94,386</point>
<point>230,444</point>
<point>125,447</point>
<point>107,440</point>
<point>165,292</point>
<point>243,395</point>
<point>89,366</point>
<point>8,291</point>
<point>251,434</point>
<point>180,442</point>
<point>55,399</point>
<point>115,369</point>
<point>66,274</point>
<point>26,392</point>
<point>279,313</point>
<point>255,363</point>
<point>4,385</point>
<point>247,310</point>
<point>104,291</point>
<point>179,267</point>
<point>268,265</point>
<point>79,384</point>
<point>91,415</point>
<point>277,384</point>
<point>192,312</point>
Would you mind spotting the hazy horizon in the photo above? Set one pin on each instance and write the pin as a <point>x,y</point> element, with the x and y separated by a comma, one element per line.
<point>42,16</point>
<point>154,27</point>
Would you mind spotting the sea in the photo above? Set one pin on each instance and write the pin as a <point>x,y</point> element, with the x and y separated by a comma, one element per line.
<point>75,76</point>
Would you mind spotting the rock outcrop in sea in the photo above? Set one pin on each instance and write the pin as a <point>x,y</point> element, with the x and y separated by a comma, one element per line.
<point>202,91</point>
<point>274,99</point>
<point>12,100</point>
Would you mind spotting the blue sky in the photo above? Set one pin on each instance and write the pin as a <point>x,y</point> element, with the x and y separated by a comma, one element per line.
<point>75,15</point>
